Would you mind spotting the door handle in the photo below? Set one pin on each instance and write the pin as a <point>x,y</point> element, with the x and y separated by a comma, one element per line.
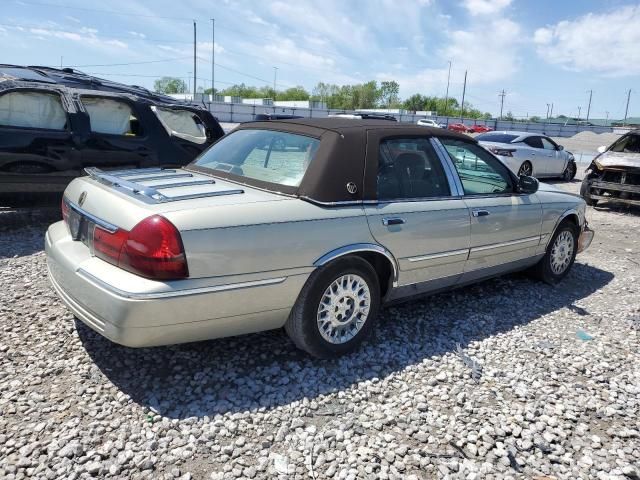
<point>393,221</point>
<point>480,213</point>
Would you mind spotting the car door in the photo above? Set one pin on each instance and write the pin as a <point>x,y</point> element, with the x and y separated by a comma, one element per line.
<point>505,224</point>
<point>554,159</point>
<point>533,152</point>
<point>35,133</point>
<point>116,137</point>
<point>417,213</point>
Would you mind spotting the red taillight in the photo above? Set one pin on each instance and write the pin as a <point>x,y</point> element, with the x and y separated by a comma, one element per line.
<point>503,152</point>
<point>152,249</point>
<point>65,211</point>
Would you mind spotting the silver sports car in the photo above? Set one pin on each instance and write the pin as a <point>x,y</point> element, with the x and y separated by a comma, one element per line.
<point>527,153</point>
<point>307,224</point>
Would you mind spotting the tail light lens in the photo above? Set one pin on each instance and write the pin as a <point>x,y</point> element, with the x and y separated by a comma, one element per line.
<point>503,152</point>
<point>152,249</point>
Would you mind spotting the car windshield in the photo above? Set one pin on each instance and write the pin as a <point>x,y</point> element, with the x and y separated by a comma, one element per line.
<point>496,137</point>
<point>265,155</point>
<point>628,144</point>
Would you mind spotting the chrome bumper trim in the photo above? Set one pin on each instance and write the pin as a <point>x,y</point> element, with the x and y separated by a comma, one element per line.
<point>176,293</point>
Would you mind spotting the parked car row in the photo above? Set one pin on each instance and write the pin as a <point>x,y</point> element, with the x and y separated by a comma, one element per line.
<point>307,224</point>
<point>55,122</point>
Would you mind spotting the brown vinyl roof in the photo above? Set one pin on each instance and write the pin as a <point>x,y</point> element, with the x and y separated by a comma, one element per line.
<point>341,158</point>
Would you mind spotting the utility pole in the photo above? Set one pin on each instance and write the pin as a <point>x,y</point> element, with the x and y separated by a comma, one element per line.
<point>579,108</point>
<point>188,82</point>
<point>464,90</point>
<point>548,105</point>
<point>551,114</point>
<point>501,95</point>
<point>607,119</point>
<point>275,74</point>
<point>213,59</point>
<point>589,107</point>
<point>194,61</point>
<point>61,57</point>
<point>446,95</point>
<point>626,110</point>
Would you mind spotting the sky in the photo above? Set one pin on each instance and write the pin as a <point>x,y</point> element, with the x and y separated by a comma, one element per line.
<point>540,52</point>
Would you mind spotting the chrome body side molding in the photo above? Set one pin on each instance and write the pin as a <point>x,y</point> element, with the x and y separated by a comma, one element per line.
<point>360,247</point>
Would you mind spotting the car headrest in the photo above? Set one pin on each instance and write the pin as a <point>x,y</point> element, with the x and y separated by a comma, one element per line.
<point>411,164</point>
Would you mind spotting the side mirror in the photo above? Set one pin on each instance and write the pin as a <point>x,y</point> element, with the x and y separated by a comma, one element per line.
<point>527,184</point>
<point>602,149</point>
<point>560,147</point>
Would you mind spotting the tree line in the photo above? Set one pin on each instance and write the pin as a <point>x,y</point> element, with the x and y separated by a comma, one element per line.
<point>368,95</point>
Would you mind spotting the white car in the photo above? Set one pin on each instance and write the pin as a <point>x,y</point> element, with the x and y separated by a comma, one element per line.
<point>425,122</point>
<point>528,153</point>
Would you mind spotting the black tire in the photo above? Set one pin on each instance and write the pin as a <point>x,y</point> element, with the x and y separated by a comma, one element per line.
<point>302,324</point>
<point>525,169</point>
<point>544,270</point>
<point>570,172</point>
<point>585,189</point>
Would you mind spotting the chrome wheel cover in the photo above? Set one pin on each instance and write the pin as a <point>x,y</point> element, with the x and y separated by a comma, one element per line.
<point>562,252</point>
<point>525,169</point>
<point>343,309</point>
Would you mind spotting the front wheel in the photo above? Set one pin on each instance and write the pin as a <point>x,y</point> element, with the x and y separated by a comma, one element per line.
<point>336,309</point>
<point>560,254</point>
<point>569,172</point>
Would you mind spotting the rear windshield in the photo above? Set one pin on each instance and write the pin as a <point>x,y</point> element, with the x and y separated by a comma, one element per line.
<point>496,137</point>
<point>265,155</point>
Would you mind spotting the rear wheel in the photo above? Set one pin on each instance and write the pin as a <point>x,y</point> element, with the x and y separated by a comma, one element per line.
<point>525,169</point>
<point>336,309</point>
<point>560,254</point>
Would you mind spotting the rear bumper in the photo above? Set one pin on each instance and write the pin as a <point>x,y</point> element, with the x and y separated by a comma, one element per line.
<point>156,315</point>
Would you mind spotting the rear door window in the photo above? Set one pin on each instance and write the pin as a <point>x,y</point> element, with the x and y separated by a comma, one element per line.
<point>182,123</point>
<point>42,110</point>
<point>535,142</point>
<point>112,117</point>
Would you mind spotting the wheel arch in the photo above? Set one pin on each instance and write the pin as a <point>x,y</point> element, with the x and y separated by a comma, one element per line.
<point>570,215</point>
<point>381,259</point>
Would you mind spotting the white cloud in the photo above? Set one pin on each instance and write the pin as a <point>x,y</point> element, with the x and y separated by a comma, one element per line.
<point>605,43</point>
<point>485,7</point>
<point>85,36</point>
<point>137,34</point>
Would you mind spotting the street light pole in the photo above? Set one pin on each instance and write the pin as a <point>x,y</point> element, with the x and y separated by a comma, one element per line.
<point>446,95</point>
<point>275,74</point>
<point>213,59</point>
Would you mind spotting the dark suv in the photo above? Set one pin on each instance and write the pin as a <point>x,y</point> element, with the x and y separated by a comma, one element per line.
<point>54,123</point>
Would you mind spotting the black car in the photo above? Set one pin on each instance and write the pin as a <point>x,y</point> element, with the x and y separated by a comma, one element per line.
<point>56,122</point>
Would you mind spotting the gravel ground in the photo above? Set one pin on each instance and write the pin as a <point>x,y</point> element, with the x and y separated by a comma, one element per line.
<point>510,378</point>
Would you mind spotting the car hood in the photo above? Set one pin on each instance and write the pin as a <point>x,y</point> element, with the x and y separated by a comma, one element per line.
<point>616,159</point>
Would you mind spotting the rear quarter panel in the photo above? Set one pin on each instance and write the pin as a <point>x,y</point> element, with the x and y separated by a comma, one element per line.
<point>278,237</point>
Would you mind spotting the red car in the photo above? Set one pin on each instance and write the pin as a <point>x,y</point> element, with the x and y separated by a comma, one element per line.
<point>480,129</point>
<point>459,127</point>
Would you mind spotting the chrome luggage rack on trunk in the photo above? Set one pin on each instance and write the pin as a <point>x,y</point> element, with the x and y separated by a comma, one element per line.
<point>125,181</point>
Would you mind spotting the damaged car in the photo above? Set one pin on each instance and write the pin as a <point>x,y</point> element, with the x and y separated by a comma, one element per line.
<point>614,174</point>
<point>56,122</point>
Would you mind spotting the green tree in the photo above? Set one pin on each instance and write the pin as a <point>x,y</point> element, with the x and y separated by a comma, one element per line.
<point>414,103</point>
<point>389,91</point>
<point>509,116</point>
<point>168,85</point>
<point>294,93</point>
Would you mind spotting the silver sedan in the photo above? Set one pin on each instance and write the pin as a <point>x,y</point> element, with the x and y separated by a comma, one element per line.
<point>527,153</point>
<point>307,224</point>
